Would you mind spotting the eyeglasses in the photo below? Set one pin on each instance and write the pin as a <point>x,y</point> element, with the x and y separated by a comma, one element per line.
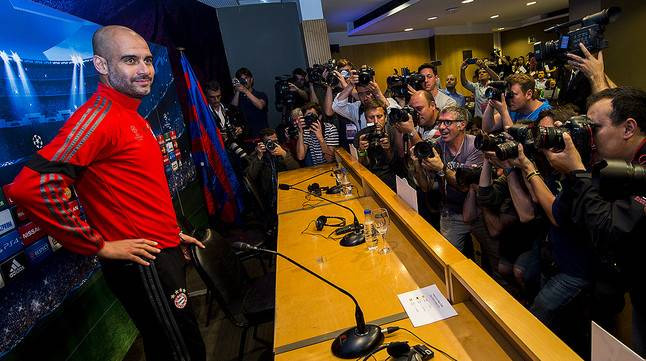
<point>447,123</point>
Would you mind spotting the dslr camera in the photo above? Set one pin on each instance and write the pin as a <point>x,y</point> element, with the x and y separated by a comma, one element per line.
<point>240,81</point>
<point>496,90</point>
<point>590,34</point>
<point>424,149</point>
<point>398,84</point>
<point>401,115</point>
<point>270,145</point>
<point>374,138</point>
<point>309,120</point>
<point>467,175</point>
<point>619,176</point>
<point>580,129</point>
<point>366,75</point>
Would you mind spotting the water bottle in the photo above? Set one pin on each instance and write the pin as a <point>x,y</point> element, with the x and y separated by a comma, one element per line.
<point>369,231</point>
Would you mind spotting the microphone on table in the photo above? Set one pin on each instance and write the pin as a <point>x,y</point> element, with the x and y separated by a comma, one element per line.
<point>352,343</point>
<point>306,179</point>
<point>355,237</point>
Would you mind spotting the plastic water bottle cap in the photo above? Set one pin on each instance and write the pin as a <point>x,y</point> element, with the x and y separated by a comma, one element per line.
<point>367,211</point>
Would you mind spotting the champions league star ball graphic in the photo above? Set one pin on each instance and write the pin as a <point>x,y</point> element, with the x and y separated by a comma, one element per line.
<point>37,140</point>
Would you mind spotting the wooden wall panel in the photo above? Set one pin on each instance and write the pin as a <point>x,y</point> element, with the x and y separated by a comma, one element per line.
<point>514,42</point>
<point>386,56</point>
<point>448,49</point>
<point>317,42</point>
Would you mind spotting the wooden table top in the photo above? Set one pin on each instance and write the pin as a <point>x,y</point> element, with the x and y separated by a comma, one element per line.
<point>307,308</point>
<point>293,200</point>
<point>466,336</point>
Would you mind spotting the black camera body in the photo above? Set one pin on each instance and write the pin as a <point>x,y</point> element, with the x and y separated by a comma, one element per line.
<point>580,129</point>
<point>496,90</point>
<point>373,137</point>
<point>489,142</point>
<point>309,120</point>
<point>467,175</point>
<point>270,145</point>
<point>416,353</point>
<point>424,149</point>
<point>366,75</point>
<point>590,34</point>
<point>401,115</point>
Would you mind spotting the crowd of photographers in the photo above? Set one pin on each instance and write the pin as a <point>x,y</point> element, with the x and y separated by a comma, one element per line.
<point>549,189</point>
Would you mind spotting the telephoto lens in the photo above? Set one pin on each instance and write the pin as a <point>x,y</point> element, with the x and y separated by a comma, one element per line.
<point>550,138</point>
<point>488,142</point>
<point>270,145</point>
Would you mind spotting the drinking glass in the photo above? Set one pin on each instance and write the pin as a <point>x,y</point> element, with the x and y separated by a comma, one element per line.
<point>382,221</point>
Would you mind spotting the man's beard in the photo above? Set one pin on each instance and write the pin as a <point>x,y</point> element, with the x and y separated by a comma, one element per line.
<point>125,86</point>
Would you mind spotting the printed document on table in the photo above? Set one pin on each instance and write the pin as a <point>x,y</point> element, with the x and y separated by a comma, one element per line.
<point>426,305</point>
<point>406,192</point>
<point>605,347</point>
<point>353,152</point>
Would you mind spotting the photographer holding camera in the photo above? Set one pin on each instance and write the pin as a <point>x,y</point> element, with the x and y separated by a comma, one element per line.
<point>613,218</point>
<point>230,128</point>
<point>518,102</point>
<point>375,144</point>
<point>367,89</point>
<point>252,103</point>
<point>457,150</point>
<point>478,89</point>
<point>317,139</point>
<point>297,86</point>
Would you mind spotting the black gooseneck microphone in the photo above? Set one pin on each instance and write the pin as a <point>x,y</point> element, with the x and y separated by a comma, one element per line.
<point>355,237</point>
<point>352,343</point>
<point>306,179</point>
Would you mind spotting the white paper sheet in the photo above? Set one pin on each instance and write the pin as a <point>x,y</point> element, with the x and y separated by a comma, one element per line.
<point>605,347</point>
<point>407,193</point>
<point>353,152</point>
<point>426,305</point>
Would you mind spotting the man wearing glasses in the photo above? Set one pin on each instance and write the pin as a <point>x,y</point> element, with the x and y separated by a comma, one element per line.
<point>457,151</point>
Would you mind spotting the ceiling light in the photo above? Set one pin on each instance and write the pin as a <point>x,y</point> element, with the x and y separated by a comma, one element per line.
<point>408,29</point>
<point>499,29</point>
<point>531,3</point>
<point>432,18</point>
<point>494,16</point>
<point>467,1</point>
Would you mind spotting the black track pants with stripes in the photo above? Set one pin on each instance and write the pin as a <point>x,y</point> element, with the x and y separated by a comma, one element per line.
<point>156,299</point>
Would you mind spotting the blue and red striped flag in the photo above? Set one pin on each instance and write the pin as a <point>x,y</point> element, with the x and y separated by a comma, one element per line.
<point>220,185</point>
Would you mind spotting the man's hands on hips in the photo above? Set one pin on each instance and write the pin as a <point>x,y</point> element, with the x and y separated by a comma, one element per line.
<point>135,250</point>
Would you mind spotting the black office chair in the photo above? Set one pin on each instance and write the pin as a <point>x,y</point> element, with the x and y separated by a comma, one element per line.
<point>246,302</point>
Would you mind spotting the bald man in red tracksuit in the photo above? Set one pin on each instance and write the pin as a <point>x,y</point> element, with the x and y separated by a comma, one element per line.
<point>109,153</point>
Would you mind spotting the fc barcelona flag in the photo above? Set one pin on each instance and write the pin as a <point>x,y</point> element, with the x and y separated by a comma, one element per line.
<point>220,185</point>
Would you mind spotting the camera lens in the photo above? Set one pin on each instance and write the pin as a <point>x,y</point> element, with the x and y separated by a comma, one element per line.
<point>423,150</point>
<point>270,145</point>
<point>548,138</point>
<point>507,150</point>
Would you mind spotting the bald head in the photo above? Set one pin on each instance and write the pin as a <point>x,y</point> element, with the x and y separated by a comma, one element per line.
<point>423,95</point>
<point>106,38</point>
<point>123,60</point>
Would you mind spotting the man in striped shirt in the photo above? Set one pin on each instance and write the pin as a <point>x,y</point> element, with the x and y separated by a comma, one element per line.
<point>316,141</point>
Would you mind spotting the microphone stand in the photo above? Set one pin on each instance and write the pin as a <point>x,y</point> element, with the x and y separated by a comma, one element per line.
<point>351,239</point>
<point>352,343</point>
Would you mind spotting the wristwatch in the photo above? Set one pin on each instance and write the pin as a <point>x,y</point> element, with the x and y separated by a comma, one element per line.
<point>508,171</point>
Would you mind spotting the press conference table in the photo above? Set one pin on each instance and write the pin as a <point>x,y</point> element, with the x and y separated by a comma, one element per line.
<point>490,324</point>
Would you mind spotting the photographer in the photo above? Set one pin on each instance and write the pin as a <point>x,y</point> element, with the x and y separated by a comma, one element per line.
<point>213,94</point>
<point>375,144</point>
<point>478,89</point>
<point>264,165</point>
<point>297,86</point>
<point>457,150</point>
<point>614,219</point>
<point>355,111</point>
<point>316,139</point>
<point>431,85</point>
<point>252,103</point>
<point>521,96</point>
<point>423,103</point>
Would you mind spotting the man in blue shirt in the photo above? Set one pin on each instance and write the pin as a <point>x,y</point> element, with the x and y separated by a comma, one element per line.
<point>518,103</point>
<point>450,90</point>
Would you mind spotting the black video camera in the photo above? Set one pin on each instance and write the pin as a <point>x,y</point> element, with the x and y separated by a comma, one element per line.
<point>580,129</point>
<point>496,90</point>
<point>366,75</point>
<point>590,34</point>
<point>401,115</point>
<point>285,98</point>
<point>424,149</point>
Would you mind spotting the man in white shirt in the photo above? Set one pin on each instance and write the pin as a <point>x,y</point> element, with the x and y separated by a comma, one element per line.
<point>478,89</point>
<point>366,92</point>
<point>431,85</point>
<point>213,94</point>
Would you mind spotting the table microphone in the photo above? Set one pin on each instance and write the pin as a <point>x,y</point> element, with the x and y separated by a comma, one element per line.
<point>352,343</point>
<point>355,237</point>
<point>306,179</point>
